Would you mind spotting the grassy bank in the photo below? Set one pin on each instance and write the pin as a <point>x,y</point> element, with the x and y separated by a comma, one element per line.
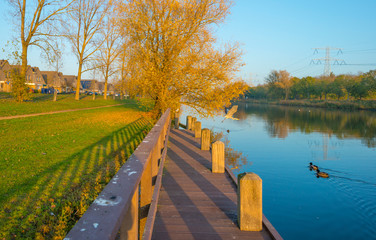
<point>332,104</point>
<point>43,103</point>
<point>52,167</point>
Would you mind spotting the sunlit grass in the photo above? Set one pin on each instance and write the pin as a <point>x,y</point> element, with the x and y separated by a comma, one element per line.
<point>52,167</point>
<point>43,103</point>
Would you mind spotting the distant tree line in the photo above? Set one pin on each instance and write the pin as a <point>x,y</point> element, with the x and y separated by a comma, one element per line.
<point>280,85</point>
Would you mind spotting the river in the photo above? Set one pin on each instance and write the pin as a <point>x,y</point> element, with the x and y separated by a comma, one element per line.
<point>278,144</point>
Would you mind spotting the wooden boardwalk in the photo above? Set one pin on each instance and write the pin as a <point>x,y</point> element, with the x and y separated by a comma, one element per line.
<point>195,203</point>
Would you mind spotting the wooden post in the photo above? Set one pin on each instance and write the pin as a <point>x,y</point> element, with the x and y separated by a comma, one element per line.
<point>176,120</point>
<point>205,139</point>
<point>194,119</point>
<point>156,154</point>
<point>146,185</point>
<point>218,157</point>
<point>197,129</point>
<point>189,122</point>
<point>129,226</point>
<point>249,202</point>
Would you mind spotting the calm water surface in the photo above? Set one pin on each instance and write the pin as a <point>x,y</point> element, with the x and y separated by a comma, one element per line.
<point>279,143</point>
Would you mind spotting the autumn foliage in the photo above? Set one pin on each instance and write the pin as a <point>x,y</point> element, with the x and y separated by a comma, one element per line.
<point>171,48</point>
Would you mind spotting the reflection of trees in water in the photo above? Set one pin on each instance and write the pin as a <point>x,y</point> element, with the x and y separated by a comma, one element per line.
<point>282,120</point>
<point>234,159</point>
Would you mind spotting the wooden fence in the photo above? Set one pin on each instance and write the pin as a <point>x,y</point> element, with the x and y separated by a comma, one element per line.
<point>126,207</point>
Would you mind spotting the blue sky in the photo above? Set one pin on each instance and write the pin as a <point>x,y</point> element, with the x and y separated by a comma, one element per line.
<point>279,35</point>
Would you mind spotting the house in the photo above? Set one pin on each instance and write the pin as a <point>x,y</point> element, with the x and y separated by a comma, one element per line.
<point>90,85</point>
<point>5,76</point>
<point>54,80</point>
<point>100,87</point>
<point>36,82</point>
<point>34,78</point>
<point>70,82</point>
<point>110,88</point>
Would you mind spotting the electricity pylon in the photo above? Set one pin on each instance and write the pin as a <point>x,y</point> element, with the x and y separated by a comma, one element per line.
<point>328,59</point>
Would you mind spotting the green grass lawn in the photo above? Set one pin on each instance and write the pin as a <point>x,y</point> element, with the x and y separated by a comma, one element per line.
<point>43,103</point>
<point>53,166</point>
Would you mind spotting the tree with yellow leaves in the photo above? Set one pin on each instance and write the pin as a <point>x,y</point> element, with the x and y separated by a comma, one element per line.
<point>279,83</point>
<point>170,44</point>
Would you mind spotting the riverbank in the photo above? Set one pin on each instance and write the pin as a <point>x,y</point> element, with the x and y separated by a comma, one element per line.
<point>331,104</point>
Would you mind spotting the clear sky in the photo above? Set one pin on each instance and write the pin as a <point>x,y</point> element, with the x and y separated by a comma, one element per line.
<point>279,35</point>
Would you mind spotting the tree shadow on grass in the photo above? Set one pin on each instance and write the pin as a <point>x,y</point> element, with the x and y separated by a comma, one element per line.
<point>53,200</point>
<point>62,97</point>
<point>5,95</point>
<point>41,97</point>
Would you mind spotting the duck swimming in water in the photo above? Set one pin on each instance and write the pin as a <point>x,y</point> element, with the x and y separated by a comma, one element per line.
<point>322,174</point>
<point>313,167</point>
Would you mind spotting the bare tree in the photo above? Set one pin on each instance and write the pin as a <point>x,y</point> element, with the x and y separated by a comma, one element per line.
<point>109,51</point>
<point>82,28</point>
<point>53,57</point>
<point>34,23</point>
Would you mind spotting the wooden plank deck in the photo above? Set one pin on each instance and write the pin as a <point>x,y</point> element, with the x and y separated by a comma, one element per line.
<point>195,203</point>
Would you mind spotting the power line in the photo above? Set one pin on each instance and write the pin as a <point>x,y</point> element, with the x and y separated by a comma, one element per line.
<point>298,61</point>
<point>327,58</point>
<point>360,64</point>
<point>361,50</point>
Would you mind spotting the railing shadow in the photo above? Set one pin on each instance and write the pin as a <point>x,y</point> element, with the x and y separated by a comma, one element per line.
<point>181,201</point>
<point>203,183</point>
<point>47,204</point>
<point>187,139</point>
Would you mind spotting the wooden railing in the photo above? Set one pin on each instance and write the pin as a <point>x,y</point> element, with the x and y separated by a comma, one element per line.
<point>126,207</point>
<point>219,162</point>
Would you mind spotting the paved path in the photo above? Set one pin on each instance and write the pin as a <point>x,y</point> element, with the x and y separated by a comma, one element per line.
<point>47,113</point>
<point>195,203</point>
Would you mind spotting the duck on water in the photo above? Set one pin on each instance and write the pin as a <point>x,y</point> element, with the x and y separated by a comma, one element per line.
<point>313,167</point>
<point>318,172</point>
<point>321,174</point>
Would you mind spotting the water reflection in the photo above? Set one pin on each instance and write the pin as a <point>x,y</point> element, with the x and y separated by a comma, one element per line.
<point>279,143</point>
<point>283,120</point>
<point>234,159</point>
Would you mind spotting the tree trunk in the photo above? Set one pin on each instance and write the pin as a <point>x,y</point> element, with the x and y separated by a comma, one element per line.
<point>24,61</point>
<point>55,95</point>
<point>78,81</point>
<point>105,86</point>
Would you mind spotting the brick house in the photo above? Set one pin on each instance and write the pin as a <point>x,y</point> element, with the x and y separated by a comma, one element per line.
<point>5,79</point>
<point>70,82</point>
<point>54,80</point>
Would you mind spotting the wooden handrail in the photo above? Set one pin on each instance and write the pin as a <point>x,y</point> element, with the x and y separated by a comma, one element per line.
<point>129,193</point>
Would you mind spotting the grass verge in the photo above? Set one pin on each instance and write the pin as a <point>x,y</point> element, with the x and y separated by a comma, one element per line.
<point>52,167</point>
